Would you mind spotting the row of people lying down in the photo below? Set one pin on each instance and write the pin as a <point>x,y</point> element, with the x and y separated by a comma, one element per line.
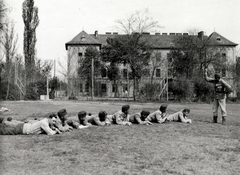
<point>58,123</point>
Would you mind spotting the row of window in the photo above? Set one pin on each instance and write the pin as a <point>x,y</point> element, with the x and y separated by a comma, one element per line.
<point>145,74</point>
<point>103,87</point>
<point>125,72</point>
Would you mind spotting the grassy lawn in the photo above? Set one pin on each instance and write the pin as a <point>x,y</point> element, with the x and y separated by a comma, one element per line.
<point>172,148</point>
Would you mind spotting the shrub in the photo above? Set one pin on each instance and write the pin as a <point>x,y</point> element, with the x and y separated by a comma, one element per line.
<point>203,90</point>
<point>34,90</point>
<point>14,93</point>
<point>150,91</point>
<point>182,89</point>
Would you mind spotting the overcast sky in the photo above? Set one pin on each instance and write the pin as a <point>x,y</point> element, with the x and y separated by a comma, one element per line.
<point>61,20</point>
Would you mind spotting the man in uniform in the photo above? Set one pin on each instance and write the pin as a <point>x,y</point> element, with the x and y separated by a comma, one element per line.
<point>180,116</point>
<point>221,88</point>
<point>158,116</point>
<point>122,116</point>
<point>140,118</point>
<point>17,127</point>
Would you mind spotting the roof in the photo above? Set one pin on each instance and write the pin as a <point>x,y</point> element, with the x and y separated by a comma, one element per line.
<point>216,39</point>
<point>83,39</point>
<point>158,41</point>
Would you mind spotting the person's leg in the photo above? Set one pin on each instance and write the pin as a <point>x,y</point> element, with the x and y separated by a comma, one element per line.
<point>34,128</point>
<point>7,130</point>
<point>215,110</point>
<point>222,104</point>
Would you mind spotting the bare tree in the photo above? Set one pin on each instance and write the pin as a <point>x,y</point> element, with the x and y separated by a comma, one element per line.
<point>138,22</point>
<point>31,21</point>
<point>3,11</point>
<point>62,68</point>
<point>136,46</point>
<point>9,46</point>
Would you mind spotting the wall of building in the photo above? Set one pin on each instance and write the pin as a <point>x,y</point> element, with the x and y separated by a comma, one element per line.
<point>160,60</point>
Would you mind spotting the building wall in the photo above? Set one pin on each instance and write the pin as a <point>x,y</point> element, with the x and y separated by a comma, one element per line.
<point>160,59</point>
<point>223,69</point>
<point>76,55</point>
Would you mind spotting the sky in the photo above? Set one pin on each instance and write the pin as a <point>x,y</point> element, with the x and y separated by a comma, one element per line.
<point>62,20</point>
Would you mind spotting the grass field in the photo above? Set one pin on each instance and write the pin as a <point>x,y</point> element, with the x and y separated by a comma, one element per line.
<point>173,148</point>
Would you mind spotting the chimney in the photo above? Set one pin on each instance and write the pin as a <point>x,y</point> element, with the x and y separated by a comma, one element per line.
<point>200,35</point>
<point>96,33</point>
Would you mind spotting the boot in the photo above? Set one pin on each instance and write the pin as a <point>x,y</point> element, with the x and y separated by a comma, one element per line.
<point>215,119</point>
<point>223,120</point>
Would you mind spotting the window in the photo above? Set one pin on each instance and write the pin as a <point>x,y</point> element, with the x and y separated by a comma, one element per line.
<point>218,39</point>
<point>80,57</point>
<point>158,56</point>
<point>158,72</point>
<point>217,69</point>
<point>86,87</point>
<point>217,55</point>
<point>170,72</point>
<point>124,73</point>
<point>125,87</point>
<point>169,57</point>
<point>113,87</point>
<point>224,57</point>
<point>104,72</point>
<point>146,72</point>
<point>104,88</point>
<point>81,87</point>
<point>223,72</point>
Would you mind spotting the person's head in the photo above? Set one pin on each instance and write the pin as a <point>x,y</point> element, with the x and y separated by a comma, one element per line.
<point>9,119</point>
<point>125,109</point>
<point>62,114</point>
<point>82,116</point>
<point>144,114</point>
<point>102,116</point>
<point>163,108</point>
<point>52,118</point>
<point>217,77</point>
<point>186,111</point>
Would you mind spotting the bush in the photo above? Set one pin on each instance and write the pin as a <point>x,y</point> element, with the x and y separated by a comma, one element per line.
<point>14,93</point>
<point>52,94</point>
<point>34,90</point>
<point>150,92</point>
<point>72,97</point>
<point>182,89</point>
<point>203,90</point>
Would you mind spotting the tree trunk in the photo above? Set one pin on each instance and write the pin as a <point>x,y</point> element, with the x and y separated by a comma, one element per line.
<point>8,86</point>
<point>152,76</point>
<point>134,88</point>
<point>115,89</point>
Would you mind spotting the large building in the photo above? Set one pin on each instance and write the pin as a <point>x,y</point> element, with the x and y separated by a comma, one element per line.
<point>159,73</point>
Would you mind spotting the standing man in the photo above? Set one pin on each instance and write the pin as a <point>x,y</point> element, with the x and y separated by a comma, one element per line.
<point>221,88</point>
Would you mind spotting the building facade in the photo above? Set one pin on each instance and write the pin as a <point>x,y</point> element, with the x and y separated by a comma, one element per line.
<point>159,70</point>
